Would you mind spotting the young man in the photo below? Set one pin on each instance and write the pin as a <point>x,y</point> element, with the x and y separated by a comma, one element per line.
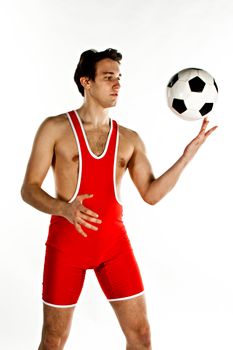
<point>89,154</point>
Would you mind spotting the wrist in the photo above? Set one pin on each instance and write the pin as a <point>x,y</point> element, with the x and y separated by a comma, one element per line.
<point>62,208</point>
<point>184,159</point>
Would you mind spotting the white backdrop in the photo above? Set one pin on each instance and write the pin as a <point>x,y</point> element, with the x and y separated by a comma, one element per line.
<point>183,244</point>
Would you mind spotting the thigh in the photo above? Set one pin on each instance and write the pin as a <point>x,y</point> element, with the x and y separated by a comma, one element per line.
<point>57,321</point>
<point>119,276</point>
<point>131,314</point>
<point>62,279</point>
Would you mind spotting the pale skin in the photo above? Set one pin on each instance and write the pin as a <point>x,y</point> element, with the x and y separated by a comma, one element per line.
<point>55,146</point>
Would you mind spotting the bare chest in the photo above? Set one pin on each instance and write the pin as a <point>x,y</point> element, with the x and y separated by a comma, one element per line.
<point>67,155</point>
<point>96,142</point>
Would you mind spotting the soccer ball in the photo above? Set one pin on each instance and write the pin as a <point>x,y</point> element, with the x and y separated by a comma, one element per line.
<point>192,93</point>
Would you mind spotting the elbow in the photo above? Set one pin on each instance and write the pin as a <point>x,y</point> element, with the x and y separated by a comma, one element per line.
<point>151,196</point>
<point>23,193</point>
<point>26,189</point>
<point>151,200</point>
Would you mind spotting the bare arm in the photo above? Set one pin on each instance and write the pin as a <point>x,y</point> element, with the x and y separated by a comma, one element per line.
<point>154,189</point>
<point>37,168</point>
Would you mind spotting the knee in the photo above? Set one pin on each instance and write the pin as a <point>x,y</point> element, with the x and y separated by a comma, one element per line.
<point>144,336</point>
<point>140,336</point>
<point>53,340</point>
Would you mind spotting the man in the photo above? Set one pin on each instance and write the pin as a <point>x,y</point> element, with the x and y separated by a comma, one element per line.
<point>89,154</point>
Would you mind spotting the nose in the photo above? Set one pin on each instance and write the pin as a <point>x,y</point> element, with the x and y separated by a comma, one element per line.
<point>117,85</point>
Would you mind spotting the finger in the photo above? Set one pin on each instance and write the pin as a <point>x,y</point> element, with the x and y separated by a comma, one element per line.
<point>210,131</point>
<point>81,197</point>
<point>88,211</point>
<point>204,124</point>
<point>79,229</point>
<point>206,120</point>
<point>86,224</point>
<point>89,218</point>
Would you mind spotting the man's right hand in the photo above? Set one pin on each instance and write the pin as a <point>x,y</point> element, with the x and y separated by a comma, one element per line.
<point>78,214</point>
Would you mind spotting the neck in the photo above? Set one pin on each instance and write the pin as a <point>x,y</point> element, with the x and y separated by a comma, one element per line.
<point>95,116</point>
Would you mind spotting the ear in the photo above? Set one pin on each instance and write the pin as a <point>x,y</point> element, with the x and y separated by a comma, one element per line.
<point>85,82</point>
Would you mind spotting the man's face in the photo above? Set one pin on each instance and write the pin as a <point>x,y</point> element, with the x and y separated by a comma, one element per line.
<point>105,89</point>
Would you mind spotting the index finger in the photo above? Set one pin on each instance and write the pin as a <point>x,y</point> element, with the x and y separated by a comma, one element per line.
<point>89,212</point>
<point>205,121</point>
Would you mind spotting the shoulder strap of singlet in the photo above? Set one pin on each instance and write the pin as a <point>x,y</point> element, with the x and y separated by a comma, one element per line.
<point>77,127</point>
<point>113,138</point>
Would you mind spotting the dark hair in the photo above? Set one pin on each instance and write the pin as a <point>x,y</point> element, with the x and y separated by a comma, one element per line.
<point>87,64</point>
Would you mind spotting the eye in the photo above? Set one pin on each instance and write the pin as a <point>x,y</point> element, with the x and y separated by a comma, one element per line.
<point>110,78</point>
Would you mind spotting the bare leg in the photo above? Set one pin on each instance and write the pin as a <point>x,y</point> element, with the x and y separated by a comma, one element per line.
<point>132,316</point>
<point>56,327</point>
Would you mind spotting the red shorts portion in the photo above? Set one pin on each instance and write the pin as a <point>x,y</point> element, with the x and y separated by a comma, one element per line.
<point>69,255</point>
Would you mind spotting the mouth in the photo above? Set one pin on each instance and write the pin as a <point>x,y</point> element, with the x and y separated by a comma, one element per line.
<point>114,94</point>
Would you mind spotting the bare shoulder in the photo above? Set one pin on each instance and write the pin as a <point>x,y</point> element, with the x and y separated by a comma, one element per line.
<point>55,122</point>
<point>54,125</point>
<point>131,136</point>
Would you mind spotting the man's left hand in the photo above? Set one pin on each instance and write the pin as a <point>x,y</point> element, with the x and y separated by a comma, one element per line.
<point>195,144</point>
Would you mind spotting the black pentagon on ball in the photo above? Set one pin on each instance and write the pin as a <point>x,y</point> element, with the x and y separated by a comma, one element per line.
<point>216,86</point>
<point>173,80</point>
<point>196,84</point>
<point>179,105</point>
<point>206,108</point>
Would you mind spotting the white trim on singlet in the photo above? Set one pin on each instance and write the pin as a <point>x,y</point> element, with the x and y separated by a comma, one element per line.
<point>86,141</point>
<point>114,167</point>
<point>130,297</point>
<point>61,306</point>
<point>80,160</point>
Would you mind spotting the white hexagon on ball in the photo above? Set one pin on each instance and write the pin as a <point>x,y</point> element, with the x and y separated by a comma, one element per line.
<point>180,90</point>
<point>191,115</point>
<point>187,74</point>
